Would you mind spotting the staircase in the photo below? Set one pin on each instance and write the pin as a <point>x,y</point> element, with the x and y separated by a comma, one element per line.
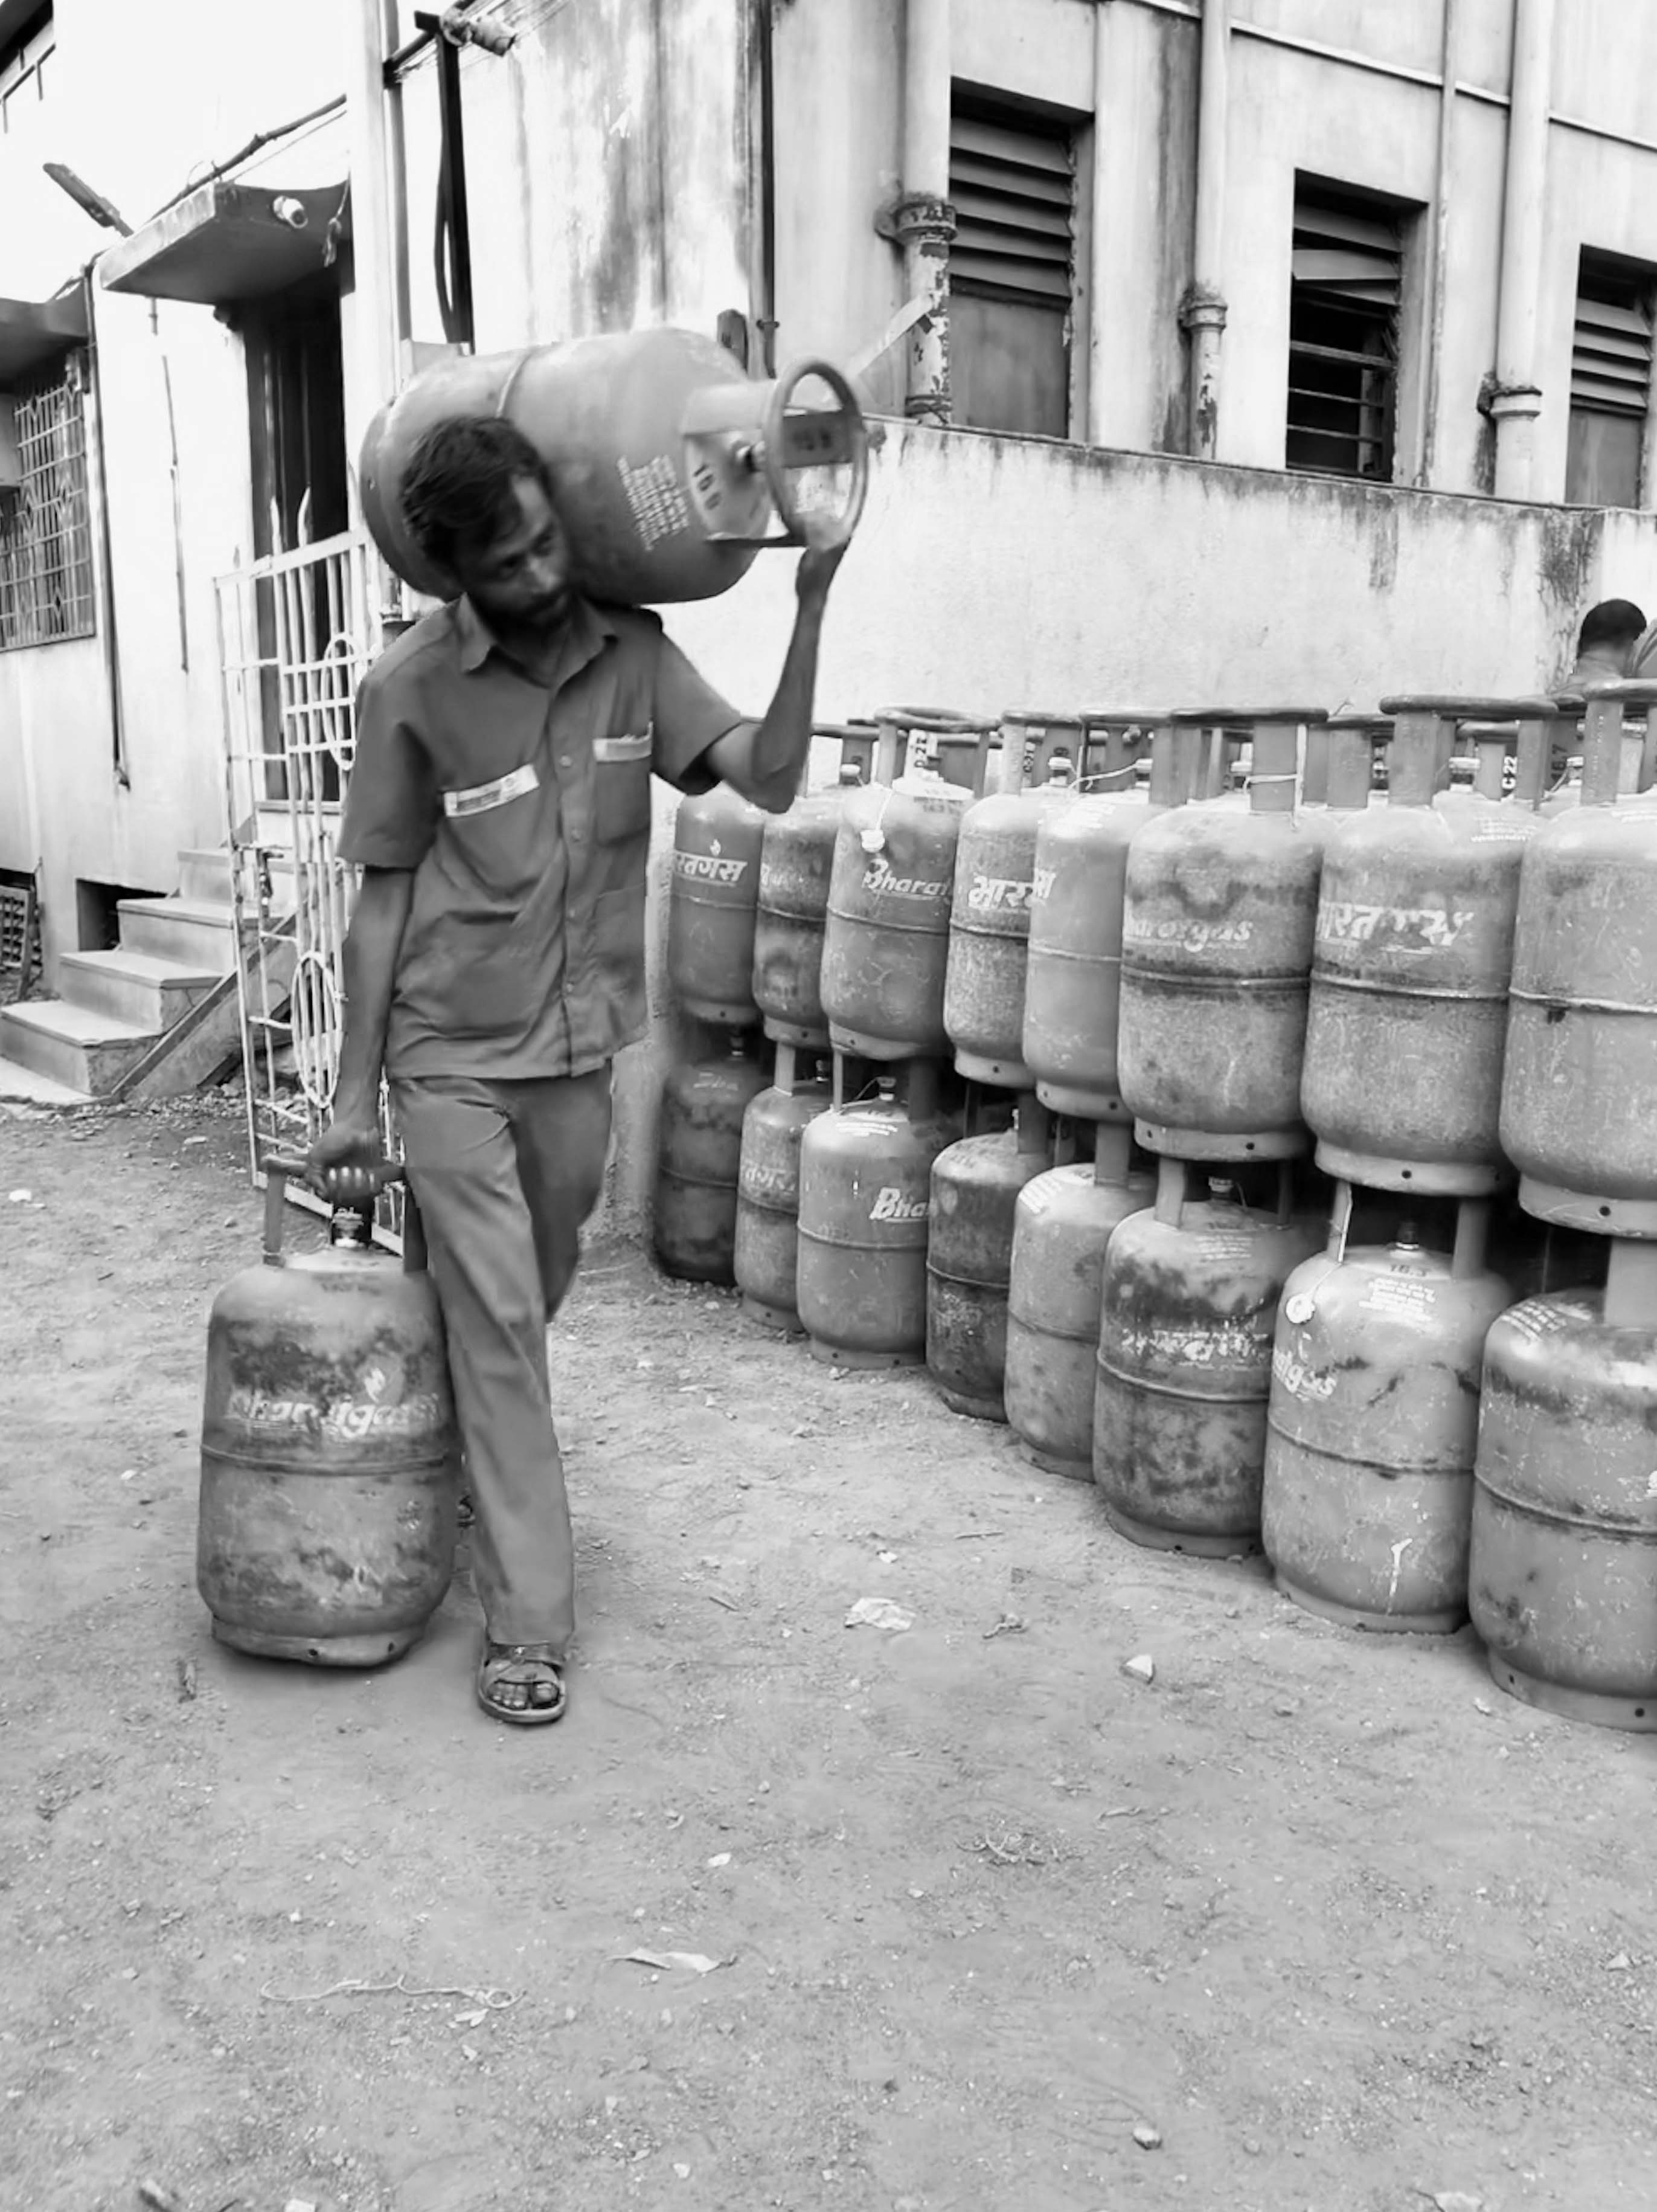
<point>157,1016</point>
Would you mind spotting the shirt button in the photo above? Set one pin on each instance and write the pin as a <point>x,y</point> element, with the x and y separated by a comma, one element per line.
<point>564,761</point>
<point>578,836</point>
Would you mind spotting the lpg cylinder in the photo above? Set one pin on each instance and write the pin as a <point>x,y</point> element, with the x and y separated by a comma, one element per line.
<point>1402,1078</point>
<point>886,946</point>
<point>1062,1223</point>
<point>1217,949</point>
<point>990,918</point>
<point>766,1257</point>
<point>699,1165</point>
<point>865,1205</point>
<point>974,1196</point>
<point>718,840</point>
<point>667,464</point>
<point>1564,1572</point>
<point>797,858</point>
<point>1581,1057</point>
<point>1372,1424</point>
<point>1073,979</point>
<point>330,1459</point>
<point>1189,1297</point>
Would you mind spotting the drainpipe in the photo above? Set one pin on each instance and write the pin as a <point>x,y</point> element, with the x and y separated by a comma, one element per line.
<point>1439,242</point>
<point>923,219</point>
<point>372,363</point>
<point>1516,398</point>
<point>1203,310</point>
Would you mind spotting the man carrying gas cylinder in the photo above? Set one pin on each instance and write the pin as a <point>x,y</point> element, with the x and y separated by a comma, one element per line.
<point>499,809</point>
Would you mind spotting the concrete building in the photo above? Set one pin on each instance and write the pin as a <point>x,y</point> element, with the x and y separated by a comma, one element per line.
<point>1275,347</point>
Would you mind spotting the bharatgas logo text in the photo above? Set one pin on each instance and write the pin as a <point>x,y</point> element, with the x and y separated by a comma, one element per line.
<point>881,883</point>
<point>343,1416</point>
<point>1299,1380</point>
<point>1433,929</point>
<point>1190,936</point>
<point>705,868</point>
<point>1042,888</point>
<point>1180,1347</point>
<point>999,894</point>
<point>891,1204</point>
<point>762,1181</point>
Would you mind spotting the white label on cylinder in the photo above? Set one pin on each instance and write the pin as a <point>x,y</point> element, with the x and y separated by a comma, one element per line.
<point>1417,928</point>
<point>1402,1294</point>
<point>1299,1380</point>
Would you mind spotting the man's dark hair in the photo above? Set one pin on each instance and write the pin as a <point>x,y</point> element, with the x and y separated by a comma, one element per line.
<point>1613,622</point>
<point>458,487</point>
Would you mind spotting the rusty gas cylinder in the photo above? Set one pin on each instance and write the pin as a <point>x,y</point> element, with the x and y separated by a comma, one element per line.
<point>990,918</point>
<point>1189,1304</point>
<point>1564,1570</point>
<point>1217,953</point>
<point>767,1255</point>
<point>1073,979</point>
<point>865,1209</point>
<point>330,1458</point>
<point>1061,1226</point>
<point>886,946</point>
<point>1402,1078</point>
<point>975,1188</point>
<point>1581,1046</point>
<point>1372,1426</point>
<point>797,858</point>
<point>718,837</point>
<point>698,1165</point>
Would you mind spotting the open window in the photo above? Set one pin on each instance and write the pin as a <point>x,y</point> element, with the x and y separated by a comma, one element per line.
<point>1012,280</point>
<point>1345,301</point>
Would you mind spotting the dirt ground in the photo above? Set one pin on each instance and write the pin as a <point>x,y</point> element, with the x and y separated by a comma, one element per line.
<point>1339,1923</point>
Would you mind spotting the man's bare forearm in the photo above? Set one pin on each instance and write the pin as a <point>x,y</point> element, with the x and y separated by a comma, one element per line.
<point>372,944</point>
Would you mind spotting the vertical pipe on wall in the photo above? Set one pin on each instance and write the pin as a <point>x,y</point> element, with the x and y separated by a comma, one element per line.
<point>1100,241</point>
<point>1516,396</point>
<point>371,360</point>
<point>1438,244</point>
<point>1203,312</point>
<point>923,218</point>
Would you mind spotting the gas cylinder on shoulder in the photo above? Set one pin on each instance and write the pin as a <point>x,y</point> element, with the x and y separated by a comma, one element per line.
<point>1373,1424</point>
<point>1189,1305</point>
<point>699,1163</point>
<point>990,917</point>
<point>1062,1225</point>
<point>974,1196</point>
<point>711,907</point>
<point>886,947</point>
<point>865,1211</point>
<point>330,1459</point>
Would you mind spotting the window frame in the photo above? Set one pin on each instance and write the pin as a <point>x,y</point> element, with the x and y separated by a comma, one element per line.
<point>49,576</point>
<point>23,58</point>
<point>1364,207</point>
<point>1637,282</point>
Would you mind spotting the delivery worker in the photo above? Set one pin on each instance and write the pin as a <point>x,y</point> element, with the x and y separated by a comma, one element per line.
<point>500,810</point>
<point>1606,644</point>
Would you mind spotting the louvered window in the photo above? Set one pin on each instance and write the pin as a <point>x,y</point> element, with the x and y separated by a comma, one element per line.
<point>1610,383</point>
<point>1012,184</point>
<point>1343,334</point>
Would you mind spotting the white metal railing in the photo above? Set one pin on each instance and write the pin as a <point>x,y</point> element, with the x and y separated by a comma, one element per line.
<point>297,631</point>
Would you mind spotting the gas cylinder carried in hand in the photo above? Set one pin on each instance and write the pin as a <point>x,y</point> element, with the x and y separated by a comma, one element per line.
<point>1190,1301</point>
<point>974,1196</point>
<point>711,907</point>
<point>1216,953</point>
<point>1061,1228</point>
<point>1372,1424</point>
<point>668,467</point>
<point>886,952</point>
<point>330,1456</point>
<point>698,1169</point>
<point>989,919</point>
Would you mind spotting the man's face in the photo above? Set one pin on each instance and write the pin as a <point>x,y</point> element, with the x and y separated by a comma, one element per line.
<point>519,579</point>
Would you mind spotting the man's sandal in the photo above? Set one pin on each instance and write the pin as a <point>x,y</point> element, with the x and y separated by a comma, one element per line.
<point>530,1665</point>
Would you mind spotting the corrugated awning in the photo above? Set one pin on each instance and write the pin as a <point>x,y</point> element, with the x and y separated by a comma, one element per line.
<point>227,241</point>
<point>35,332</point>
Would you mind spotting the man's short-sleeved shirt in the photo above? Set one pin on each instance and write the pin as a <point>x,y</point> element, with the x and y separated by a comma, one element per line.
<point>523,808</point>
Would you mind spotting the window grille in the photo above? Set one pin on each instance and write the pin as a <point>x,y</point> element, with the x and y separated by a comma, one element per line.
<point>46,589</point>
<point>1012,186</point>
<point>23,69</point>
<point>1345,285</point>
<point>1610,384</point>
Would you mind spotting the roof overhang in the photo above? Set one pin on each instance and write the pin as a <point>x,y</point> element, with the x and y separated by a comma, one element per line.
<point>227,242</point>
<point>35,332</point>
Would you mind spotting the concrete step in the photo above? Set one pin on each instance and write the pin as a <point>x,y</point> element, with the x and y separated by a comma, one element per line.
<point>205,874</point>
<point>87,1051</point>
<point>198,934</point>
<point>134,986</point>
<point>27,1086</point>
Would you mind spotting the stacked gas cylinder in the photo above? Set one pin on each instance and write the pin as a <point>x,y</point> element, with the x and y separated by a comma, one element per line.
<point>1168,1100</point>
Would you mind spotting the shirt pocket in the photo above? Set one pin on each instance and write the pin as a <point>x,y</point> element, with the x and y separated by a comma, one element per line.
<point>621,788</point>
<point>501,844</point>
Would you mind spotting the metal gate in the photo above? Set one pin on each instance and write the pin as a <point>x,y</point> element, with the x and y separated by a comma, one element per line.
<point>297,631</point>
